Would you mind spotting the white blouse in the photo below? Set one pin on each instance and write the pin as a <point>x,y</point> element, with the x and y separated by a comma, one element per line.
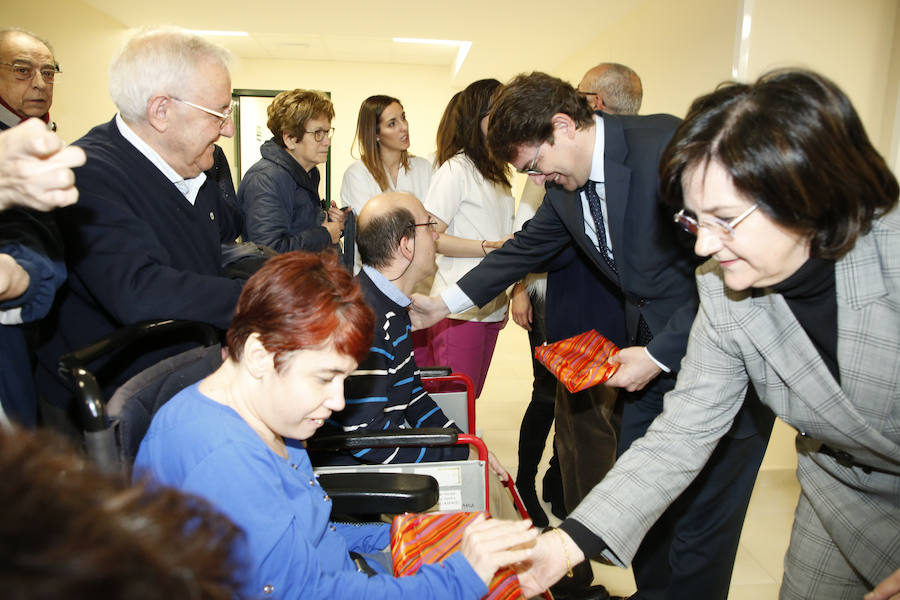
<point>358,184</point>
<point>472,208</point>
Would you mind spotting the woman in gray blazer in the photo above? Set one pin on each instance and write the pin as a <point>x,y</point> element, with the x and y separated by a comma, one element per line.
<point>796,209</point>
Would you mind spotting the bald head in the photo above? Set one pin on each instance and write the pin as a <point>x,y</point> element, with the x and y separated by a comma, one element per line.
<point>383,222</point>
<point>612,88</point>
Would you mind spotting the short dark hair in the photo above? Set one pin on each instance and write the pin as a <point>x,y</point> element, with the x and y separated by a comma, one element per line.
<point>460,131</point>
<point>301,300</point>
<point>793,143</point>
<point>70,531</point>
<point>522,112</point>
<point>379,237</point>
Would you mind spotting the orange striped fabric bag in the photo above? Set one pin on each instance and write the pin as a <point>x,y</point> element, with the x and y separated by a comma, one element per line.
<point>420,539</point>
<point>579,362</point>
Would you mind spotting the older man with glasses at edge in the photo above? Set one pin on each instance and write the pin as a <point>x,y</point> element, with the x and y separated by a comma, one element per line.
<point>28,71</point>
<point>143,242</point>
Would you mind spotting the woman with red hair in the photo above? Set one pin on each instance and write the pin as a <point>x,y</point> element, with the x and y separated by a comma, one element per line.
<point>300,327</point>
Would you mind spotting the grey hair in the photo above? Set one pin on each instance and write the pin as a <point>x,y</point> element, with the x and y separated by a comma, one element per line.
<point>620,87</point>
<point>5,31</point>
<point>158,60</point>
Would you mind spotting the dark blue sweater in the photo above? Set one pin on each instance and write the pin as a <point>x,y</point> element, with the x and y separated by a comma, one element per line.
<point>136,249</point>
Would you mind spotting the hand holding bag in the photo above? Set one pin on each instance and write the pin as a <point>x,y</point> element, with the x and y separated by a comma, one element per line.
<point>579,362</point>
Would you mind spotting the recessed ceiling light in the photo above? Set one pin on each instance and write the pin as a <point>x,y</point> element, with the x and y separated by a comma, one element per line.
<point>462,48</point>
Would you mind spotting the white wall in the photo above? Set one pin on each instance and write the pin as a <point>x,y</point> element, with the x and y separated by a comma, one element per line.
<point>423,90</point>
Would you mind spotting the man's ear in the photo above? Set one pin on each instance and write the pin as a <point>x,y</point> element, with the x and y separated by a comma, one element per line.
<point>258,360</point>
<point>407,247</point>
<point>159,112</point>
<point>564,124</point>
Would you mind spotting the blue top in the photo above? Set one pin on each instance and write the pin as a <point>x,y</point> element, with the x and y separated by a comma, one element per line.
<point>292,548</point>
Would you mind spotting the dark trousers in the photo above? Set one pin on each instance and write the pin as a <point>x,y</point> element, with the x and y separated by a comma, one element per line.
<point>585,439</point>
<point>689,553</point>
<point>539,415</point>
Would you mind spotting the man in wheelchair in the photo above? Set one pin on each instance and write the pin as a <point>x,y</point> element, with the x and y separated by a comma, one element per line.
<point>396,240</point>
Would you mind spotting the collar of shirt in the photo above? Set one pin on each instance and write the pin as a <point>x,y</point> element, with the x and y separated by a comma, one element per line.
<point>598,173</point>
<point>386,287</point>
<point>188,187</point>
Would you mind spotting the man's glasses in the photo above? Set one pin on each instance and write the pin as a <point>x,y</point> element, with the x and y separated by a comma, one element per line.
<point>430,225</point>
<point>531,169</point>
<point>719,226</point>
<point>321,134</point>
<point>25,71</point>
<point>585,94</point>
<point>223,116</point>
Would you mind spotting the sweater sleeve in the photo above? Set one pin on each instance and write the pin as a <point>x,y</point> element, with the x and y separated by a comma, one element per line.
<point>34,242</point>
<point>266,201</point>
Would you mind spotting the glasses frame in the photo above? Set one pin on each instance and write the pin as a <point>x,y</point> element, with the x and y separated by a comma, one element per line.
<point>530,169</point>
<point>430,225</point>
<point>48,79</point>
<point>223,116</point>
<point>319,134</point>
<point>585,94</point>
<point>721,227</point>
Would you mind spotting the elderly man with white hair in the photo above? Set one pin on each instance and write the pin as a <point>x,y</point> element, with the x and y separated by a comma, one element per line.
<point>143,242</point>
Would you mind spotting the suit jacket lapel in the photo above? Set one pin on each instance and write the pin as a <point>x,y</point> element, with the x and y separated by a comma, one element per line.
<point>572,214</point>
<point>618,179</point>
<point>769,323</point>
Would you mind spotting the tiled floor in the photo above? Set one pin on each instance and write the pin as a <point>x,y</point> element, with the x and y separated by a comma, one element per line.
<point>758,569</point>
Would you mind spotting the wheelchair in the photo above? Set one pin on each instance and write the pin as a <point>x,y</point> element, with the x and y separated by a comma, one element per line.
<point>114,427</point>
<point>464,484</point>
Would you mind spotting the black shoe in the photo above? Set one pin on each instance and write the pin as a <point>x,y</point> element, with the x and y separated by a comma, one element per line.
<point>533,506</point>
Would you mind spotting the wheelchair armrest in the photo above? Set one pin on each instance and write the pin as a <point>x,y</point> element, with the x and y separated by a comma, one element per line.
<point>388,438</point>
<point>73,366</point>
<point>130,334</point>
<point>434,371</point>
<point>376,493</point>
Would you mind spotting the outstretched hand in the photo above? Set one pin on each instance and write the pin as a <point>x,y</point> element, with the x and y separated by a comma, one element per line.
<point>636,369</point>
<point>36,168</point>
<point>425,311</point>
<point>553,554</point>
<point>489,544</point>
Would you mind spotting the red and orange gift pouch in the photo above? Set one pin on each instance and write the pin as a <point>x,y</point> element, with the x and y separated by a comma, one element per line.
<point>579,362</point>
<point>421,539</point>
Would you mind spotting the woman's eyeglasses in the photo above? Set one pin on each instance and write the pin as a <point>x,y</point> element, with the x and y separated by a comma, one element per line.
<point>321,134</point>
<point>719,226</point>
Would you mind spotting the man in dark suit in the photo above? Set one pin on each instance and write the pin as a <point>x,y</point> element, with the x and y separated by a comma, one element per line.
<point>602,198</point>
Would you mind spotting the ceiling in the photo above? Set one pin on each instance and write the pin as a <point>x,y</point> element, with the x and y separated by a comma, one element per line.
<point>524,34</point>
